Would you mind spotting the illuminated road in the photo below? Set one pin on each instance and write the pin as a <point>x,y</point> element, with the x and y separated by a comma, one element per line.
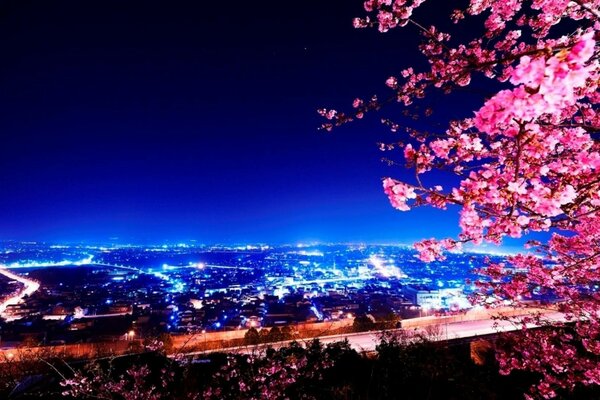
<point>458,330</point>
<point>366,341</point>
<point>226,267</point>
<point>203,266</point>
<point>329,280</point>
<point>28,290</point>
<point>99,264</point>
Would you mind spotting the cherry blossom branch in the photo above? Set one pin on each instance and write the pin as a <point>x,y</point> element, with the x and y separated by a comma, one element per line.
<point>583,5</point>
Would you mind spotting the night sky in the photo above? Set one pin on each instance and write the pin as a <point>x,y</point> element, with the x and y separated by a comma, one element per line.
<point>149,121</point>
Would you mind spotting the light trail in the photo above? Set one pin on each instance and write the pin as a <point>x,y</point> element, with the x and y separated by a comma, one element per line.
<point>30,288</point>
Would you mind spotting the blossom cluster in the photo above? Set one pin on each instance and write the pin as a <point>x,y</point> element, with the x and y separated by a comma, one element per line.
<point>134,384</point>
<point>527,160</point>
<point>268,377</point>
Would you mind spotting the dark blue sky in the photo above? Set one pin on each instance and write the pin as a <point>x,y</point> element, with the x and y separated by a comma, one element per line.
<point>177,120</point>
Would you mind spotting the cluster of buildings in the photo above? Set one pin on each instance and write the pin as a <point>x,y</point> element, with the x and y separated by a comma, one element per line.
<point>115,292</point>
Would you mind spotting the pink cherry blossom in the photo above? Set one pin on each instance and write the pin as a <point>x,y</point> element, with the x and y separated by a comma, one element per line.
<point>398,193</point>
<point>527,160</point>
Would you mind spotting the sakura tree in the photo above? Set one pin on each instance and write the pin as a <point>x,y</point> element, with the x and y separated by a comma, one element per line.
<point>526,161</point>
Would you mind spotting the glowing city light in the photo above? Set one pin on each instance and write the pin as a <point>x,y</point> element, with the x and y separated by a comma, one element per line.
<point>30,288</point>
<point>385,270</point>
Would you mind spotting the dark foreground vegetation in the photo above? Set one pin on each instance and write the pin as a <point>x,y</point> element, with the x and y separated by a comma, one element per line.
<point>399,369</point>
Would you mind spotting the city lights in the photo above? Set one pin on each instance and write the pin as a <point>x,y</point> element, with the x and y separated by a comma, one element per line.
<point>221,289</point>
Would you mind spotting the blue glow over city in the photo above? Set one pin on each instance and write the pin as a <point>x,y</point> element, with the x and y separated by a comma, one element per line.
<point>371,199</point>
<point>160,184</point>
<point>187,287</point>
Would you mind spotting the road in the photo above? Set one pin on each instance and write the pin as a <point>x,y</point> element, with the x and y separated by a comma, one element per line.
<point>366,341</point>
<point>30,287</point>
